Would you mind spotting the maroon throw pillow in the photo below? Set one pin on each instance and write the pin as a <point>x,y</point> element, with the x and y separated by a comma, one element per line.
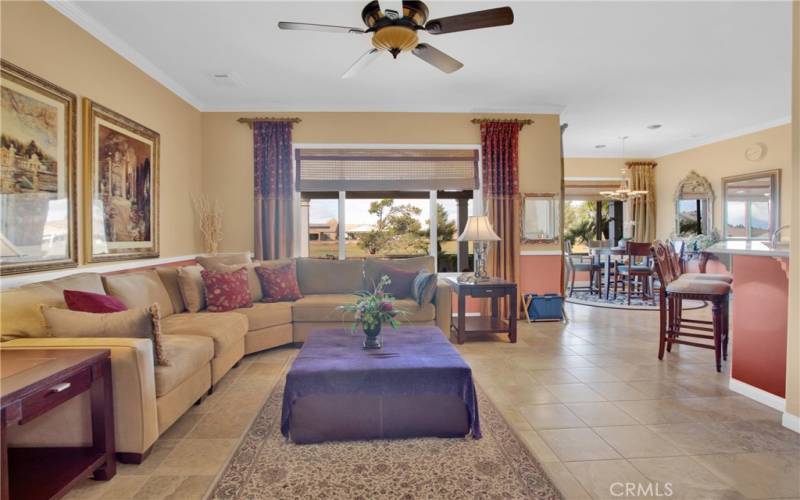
<point>279,283</point>
<point>402,281</point>
<point>226,291</point>
<point>92,302</point>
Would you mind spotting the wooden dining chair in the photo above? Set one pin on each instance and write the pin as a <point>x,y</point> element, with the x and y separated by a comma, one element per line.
<point>573,267</point>
<point>637,273</point>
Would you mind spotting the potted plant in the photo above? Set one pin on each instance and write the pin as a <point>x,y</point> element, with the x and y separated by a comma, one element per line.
<point>372,310</point>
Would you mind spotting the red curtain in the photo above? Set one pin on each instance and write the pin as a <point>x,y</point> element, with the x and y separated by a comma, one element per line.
<point>272,156</point>
<point>500,161</point>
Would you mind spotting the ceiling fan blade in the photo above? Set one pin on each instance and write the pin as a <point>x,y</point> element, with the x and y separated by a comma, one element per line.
<point>500,16</point>
<point>361,63</point>
<point>318,27</point>
<point>394,5</point>
<point>436,57</point>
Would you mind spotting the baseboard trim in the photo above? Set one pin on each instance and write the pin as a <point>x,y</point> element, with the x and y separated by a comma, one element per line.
<point>756,394</point>
<point>791,422</point>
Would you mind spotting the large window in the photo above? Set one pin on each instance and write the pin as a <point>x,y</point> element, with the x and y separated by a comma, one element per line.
<point>357,202</point>
<point>751,205</point>
<point>387,224</point>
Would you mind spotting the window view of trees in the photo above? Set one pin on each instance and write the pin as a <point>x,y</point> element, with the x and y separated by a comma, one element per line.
<point>580,224</point>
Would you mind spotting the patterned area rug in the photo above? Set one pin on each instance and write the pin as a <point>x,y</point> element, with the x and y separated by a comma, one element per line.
<point>621,302</point>
<point>498,465</point>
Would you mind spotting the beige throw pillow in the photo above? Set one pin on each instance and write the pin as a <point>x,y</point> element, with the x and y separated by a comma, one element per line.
<point>193,289</point>
<point>142,322</point>
<point>140,289</point>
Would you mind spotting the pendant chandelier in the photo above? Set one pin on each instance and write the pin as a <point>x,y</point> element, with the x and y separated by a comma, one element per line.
<point>623,192</point>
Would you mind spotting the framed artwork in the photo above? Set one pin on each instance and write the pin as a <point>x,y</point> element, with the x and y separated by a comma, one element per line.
<point>120,176</point>
<point>37,173</point>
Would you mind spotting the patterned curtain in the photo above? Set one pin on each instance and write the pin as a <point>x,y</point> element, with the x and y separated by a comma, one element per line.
<point>500,156</point>
<point>272,142</point>
<point>643,208</point>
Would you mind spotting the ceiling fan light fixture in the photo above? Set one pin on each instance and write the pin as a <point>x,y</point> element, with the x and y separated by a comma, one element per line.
<point>395,39</point>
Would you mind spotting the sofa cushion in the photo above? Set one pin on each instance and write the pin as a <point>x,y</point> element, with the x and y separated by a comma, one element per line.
<point>373,267</point>
<point>263,314</point>
<point>193,290</point>
<point>279,283</point>
<point>424,287</point>
<point>323,276</point>
<point>187,354</point>
<point>19,307</point>
<point>141,322</point>
<point>400,281</point>
<point>209,261</point>
<point>223,328</point>
<point>140,289</point>
<point>90,302</point>
<point>322,308</point>
<point>411,312</point>
<point>169,277</point>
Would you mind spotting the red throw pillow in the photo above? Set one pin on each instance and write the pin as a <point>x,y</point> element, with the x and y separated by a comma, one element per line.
<point>226,291</point>
<point>279,283</point>
<point>92,302</point>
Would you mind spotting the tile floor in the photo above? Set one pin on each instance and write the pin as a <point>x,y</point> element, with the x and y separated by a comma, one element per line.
<point>590,399</point>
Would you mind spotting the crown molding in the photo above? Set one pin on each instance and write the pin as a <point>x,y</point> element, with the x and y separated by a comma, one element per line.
<point>704,141</point>
<point>89,24</point>
<point>260,107</point>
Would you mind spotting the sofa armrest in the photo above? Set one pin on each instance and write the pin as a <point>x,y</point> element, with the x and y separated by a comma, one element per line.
<point>132,372</point>
<point>443,307</point>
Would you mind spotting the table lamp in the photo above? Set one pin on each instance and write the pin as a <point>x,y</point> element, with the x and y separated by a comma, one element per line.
<point>479,231</point>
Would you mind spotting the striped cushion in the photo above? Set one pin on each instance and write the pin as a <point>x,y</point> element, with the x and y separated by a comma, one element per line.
<point>423,287</point>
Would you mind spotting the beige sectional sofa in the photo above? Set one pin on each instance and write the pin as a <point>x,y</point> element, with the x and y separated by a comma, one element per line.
<point>201,346</point>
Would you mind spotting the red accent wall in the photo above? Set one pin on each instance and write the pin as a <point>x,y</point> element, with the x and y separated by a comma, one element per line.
<point>759,322</point>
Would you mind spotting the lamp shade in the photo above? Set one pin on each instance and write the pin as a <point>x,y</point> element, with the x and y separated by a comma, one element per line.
<point>478,229</point>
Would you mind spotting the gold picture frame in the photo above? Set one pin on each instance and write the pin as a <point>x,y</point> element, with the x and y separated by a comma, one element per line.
<point>120,186</point>
<point>38,225</point>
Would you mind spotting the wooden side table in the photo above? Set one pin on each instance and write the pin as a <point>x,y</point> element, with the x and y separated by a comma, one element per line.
<point>494,288</point>
<point>34,381</point>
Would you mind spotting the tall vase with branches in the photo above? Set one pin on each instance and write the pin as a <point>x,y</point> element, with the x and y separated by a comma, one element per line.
<point>209,215</point>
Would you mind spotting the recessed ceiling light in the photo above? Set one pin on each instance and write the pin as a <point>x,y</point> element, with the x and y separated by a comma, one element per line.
<point>600,146</point>
<point>654,126</point>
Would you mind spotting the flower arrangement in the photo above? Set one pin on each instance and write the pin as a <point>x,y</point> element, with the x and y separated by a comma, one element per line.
<point>699,242</point>
<point>372,310</point>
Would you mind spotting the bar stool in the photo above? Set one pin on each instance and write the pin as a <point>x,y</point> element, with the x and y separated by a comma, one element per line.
<point>676,258</point>
<point>675,288</point>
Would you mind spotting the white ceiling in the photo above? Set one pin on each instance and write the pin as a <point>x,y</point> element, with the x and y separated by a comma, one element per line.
<point>705,70</point>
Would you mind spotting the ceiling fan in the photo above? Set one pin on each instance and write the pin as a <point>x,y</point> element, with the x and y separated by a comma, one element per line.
<point>394,29</point>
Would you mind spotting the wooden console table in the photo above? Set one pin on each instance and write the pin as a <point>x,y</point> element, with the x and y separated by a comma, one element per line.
<point>34,381</point>
<point>494,288</point>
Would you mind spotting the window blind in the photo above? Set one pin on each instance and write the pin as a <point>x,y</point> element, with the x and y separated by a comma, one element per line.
<point>386,169</point>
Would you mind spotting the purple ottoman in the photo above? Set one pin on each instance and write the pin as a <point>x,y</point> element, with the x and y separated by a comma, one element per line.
<point>416,385</point>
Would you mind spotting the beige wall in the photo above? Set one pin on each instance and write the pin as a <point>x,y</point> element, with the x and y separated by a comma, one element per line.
<point>722,159</point>
<point>42,41</point>
<point>228,152</point>
<point>593,167</point>
<point>793,341</point>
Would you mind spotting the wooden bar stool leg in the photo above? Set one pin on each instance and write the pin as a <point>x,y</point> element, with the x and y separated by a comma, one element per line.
<point>662,326</point>
<point>726,326</point>
<point>716,311</point>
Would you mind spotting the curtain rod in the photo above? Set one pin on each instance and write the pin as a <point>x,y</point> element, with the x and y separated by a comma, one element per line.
<point>522,123</point>
<point>250,121</point>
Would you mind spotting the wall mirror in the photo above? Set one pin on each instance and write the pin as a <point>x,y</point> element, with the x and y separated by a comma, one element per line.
<point>694,206</point>
<point>751,205</point>
<point>539,218</point>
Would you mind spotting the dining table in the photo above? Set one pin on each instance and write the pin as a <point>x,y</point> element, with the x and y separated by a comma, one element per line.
<point>604,256</point>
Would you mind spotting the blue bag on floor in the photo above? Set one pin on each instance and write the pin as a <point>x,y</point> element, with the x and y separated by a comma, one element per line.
<point>544,307</point>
